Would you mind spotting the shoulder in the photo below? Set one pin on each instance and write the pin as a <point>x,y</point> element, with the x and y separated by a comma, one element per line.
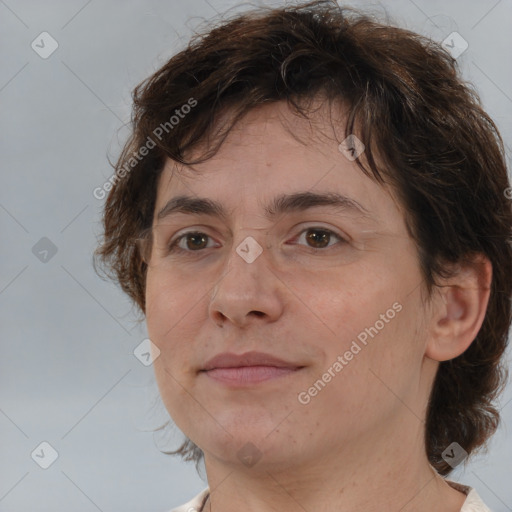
<point>473,501</point>
<point>195,504</point>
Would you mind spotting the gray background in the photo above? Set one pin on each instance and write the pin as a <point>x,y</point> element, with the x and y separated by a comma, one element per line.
<point>68,375</point>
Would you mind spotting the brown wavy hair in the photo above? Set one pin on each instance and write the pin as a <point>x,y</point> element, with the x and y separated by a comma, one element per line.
<point>405,100</point>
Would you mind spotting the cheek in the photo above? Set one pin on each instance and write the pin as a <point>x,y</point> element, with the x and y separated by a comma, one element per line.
<point>342,302</point>
<point>170,303</point>
<point>372,378</point>
<point>173,309</point>
<point>369,314</point>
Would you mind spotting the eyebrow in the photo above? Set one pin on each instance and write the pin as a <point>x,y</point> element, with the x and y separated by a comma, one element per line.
<point>283,203</point>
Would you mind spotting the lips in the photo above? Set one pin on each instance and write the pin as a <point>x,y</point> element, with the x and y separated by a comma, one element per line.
<point>247,369</point>
<point>229,360</point>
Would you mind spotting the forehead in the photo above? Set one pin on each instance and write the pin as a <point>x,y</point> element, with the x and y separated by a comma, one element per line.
<point>271,152</point>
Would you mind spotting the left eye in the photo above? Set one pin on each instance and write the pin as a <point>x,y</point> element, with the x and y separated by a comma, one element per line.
<point>319,237</point>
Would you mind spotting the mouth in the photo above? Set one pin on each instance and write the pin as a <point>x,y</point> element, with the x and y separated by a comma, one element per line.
<point>248,374</point>
<point>247,369</point>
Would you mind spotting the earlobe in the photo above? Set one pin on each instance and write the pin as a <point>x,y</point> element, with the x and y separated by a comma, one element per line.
<point>459,310</point>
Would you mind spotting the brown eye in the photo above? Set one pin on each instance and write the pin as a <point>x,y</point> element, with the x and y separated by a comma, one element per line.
<point>190,242</point>
<point>197,240</point>
<point>319,238</point>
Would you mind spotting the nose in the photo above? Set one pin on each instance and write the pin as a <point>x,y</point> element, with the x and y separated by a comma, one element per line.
<point>249,292</point>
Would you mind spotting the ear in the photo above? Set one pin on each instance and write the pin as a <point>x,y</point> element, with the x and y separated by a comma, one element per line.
<point>459,309</point>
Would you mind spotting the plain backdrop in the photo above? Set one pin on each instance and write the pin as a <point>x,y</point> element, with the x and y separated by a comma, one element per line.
<point>68,373</point>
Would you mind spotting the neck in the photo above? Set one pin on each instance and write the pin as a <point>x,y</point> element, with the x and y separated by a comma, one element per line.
<point>390,474</point>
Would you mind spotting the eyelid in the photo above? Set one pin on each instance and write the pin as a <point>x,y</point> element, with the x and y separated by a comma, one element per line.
<point>311,225</point>
<point>200,228</point>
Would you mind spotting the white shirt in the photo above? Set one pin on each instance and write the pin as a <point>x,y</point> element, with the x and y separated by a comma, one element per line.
<point>473,502</point>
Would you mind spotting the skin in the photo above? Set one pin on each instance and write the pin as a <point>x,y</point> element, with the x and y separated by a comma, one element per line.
<point>358,444</point>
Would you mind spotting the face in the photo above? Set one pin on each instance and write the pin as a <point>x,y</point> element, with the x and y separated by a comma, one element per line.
<point>302,258</point>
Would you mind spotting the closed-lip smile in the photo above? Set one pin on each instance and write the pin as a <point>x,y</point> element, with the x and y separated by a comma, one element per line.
<point>230,360</point>
<point>248,368</point>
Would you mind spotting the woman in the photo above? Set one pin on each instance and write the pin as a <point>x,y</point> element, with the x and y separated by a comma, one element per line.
<point>313,215</point>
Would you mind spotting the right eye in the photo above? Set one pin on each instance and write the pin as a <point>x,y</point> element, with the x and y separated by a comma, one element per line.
<point>191,241</point>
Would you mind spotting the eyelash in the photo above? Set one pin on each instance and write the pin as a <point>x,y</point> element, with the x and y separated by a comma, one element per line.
<point>174,248</point>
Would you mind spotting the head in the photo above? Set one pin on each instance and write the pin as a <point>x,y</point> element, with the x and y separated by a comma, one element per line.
<point>410,271</point>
